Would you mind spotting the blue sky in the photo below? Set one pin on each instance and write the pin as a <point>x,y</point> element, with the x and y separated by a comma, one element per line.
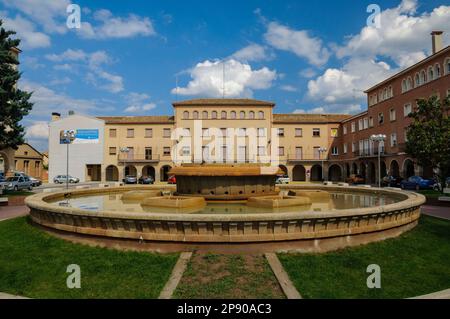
<point>124,60</point>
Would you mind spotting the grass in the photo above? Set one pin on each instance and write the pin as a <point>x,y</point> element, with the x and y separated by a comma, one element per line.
<point>210,276</point>
<point>33,264</point>
<point>430,193</point>
<point>416,263</point>
<point>18,193</point>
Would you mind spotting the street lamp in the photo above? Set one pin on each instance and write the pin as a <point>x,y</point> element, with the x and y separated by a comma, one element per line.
<point>321,151</point>
<point>68,137</point>
<point>380,138</point>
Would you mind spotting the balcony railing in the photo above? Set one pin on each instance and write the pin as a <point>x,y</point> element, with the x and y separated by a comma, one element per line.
<point>299,158</point>
<point>138,158</point>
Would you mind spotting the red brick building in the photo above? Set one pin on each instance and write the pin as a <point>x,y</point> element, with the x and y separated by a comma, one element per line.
<point>389,103</point>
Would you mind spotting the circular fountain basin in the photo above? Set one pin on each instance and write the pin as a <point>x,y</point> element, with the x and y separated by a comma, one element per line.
<point>336,214</point>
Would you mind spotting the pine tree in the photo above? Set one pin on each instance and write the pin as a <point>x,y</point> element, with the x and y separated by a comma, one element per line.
<point>14,103</point>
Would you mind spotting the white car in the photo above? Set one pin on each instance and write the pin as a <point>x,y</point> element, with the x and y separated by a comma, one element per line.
<point>282,179</point>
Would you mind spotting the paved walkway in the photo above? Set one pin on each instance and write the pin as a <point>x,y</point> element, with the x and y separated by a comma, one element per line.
<point>437,211</point>
<point>8,212</point>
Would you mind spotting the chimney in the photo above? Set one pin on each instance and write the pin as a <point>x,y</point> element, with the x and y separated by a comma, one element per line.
<point>437,41</point>
<point>55,116</point>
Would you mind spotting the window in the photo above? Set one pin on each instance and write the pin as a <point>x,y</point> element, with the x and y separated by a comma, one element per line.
<point>370,121</point>
<point>166,151</point>
<point>205,115</point>
<point>130,132</point>
<point>334,150</point>
<point>316,152</point>
<point>390,92</point>
<point>360,125</point>
<point>223,115</point>
<point>345,148</point>
<point>205,132</point>
<point>403,85</point>
<point>214,115</point>
<point>261,150</point>
<point>344,129</point>
<point>316,132</point>
<point>417,79</point>
<point>242,132</point>
<point>223,131</point>
<point>195,115</point>
<point>281,151</point>
<point>185,115</point>
<point>407,109</point>
<point>148,153</point>
<point>353,147</point>
<point>380,118</point>
<point>393,139</point>
<point>447,66</point>
<point>423,77</point>
<point>409,84</point>
<point>148,132</point>
<point>166,132</point>
<point>242,115</point>
<point>298,132</point>
<point>261,131</point>
<point>298,152</point>
<point>280,132</point>
<point>437,70</point>
<point>392,115</point>
<point>251,115</point>
<point>233,115</point>
<point>353,127</point>
<point>430,74</point>
<point>112,132</point>
<point>334,132</point>
<point>112,151</point>
<point>366,123</point>
<point>187,132</point>
<point>261,115</point>
<point>186,151</point>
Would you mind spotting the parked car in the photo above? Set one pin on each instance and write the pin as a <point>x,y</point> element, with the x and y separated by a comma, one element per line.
<point>282,179</point>
<point>391,181</point>
<point>16,183</point>
<point>437,186</point>
<point>171,180</point>
<point>130,179</point>
<point>61,179</point>
<point>417,183</point>
<point>355,179</point>
<point>35,182</point>
<point>146,180</point>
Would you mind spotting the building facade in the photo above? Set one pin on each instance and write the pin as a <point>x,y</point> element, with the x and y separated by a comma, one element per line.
<point>29,160</point>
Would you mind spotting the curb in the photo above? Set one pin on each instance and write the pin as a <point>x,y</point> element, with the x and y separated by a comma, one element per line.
<point>283,279</point>
<point>176,275</point>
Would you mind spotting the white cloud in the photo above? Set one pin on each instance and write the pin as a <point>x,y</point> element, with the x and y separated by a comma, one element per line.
<point>297,41</point>
<point>30,38</point>
<point>38,130</point>
<point>288,88</point>
<point>61,81</point>
<point>331,109</point>
<point>240,79</point>
<point>308,73</point>
<point>108,26</point>
<point>138,103</point>
<point>403,36</point>
<point>51,14</point>
<point>252,52</point>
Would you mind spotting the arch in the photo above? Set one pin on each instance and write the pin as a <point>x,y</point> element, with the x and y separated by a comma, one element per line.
<point>354,168</point>
<point>284,169</point>
<point>447,66</point>
<point>423,77</point>
<point>437,70</point>
<point>185,115</point>
<point>195,115</point>
<point>214,115</point>
<point>335,173</point>
<point>417,80</point>
<point>347,170</point>
<point>362,170</point>
<point>251,115</point>
<point>130,170</point>
<point>299,173</point>
<point>372,173</point>
<point>394,169</point>
<point>261,115</point>
<point>408,168</point>
<point>430,73</point>
<point>205,115</point>
<point>5,164</point>
<point>112,173</point>
<point>148,170</point>
<point>409,83</point>
<point>383,169</point>
<point>164,173</point>
<point>316,173</point>
<point>242,115</point>
<point>223,115</point>
<point>233,115</point>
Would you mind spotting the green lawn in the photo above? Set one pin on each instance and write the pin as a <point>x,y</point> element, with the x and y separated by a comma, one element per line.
<point>33,264</point>
<point>416,263</point>
<point>431,193</point>
<point>210,276</point>
<point>18,193</point>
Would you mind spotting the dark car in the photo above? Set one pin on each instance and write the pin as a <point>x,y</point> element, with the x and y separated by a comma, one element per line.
<point>417,183</point>
<point>172,180</point>
<point>391,181</point>
<point>129,179</point>
<point>146,180</point>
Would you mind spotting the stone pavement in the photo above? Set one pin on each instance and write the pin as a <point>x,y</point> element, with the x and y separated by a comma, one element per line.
<point>7,212</point>
<point>436,211</point>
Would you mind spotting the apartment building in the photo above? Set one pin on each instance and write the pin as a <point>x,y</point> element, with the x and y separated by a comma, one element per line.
<point>389,104</point>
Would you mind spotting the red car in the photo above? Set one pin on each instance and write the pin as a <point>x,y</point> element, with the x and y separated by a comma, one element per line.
<point>171,180</point>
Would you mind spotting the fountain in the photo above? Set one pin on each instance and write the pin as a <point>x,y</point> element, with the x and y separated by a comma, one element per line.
<point>231,204</point>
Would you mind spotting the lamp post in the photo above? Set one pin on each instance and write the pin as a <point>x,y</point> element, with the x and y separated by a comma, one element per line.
<point>379,138</point>
<point>321,151</point>
<point>125,150</point>
<point>68,136</point>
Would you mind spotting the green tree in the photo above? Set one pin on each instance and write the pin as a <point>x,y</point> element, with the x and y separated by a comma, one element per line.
<point>429,136</point>
<point>14,103</point>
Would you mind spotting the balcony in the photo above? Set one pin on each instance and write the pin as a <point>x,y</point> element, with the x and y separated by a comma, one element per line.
<point>369,153</point>
<point>298,158</point>
<point>138,158</point>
